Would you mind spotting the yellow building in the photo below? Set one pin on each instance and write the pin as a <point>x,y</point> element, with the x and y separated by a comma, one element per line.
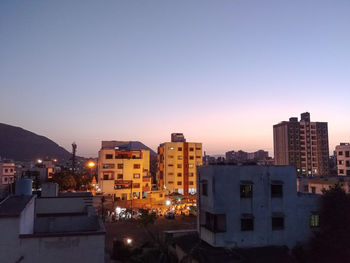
<point>123,173</point>
<point>177,165</point>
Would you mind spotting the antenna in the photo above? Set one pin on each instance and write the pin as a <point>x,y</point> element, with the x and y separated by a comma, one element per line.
<point>74,150</point>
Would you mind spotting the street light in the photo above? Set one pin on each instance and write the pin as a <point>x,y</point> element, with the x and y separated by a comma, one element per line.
<point>129,241</point>
<point>91,164</point>
<point>168,202</point>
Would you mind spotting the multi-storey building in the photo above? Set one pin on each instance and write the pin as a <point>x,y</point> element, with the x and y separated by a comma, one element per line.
<point>7,173</point>
<point>242,156</point>
<point>254,206</point>
<point>7,177</point>
<point>317,185</point>
<point>177,164</point>
<point>123,173</point>
<point>343,159</point>
<point>303,144</point>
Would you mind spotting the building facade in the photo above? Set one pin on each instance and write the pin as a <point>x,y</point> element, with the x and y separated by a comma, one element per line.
<point>7,177</point>
<point>177,165</point>
<point>124,173</point>
<point>303,144</point>
<point>253,206</point>
<point>343,159</point>
<point>316,185</point>
<point>242,156</point>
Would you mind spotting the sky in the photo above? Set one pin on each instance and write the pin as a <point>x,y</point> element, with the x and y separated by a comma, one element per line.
<point>222,72</point>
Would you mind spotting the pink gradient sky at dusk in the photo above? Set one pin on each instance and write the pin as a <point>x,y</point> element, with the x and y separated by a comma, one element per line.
<point>221,72</point>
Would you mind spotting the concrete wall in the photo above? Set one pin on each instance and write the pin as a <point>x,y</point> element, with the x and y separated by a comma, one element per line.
<point>26,221</point>
<point>62,205</point>
<point>224,198</point>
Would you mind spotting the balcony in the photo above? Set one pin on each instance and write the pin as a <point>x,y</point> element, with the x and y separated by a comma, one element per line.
<point>146,189</point>
<point>146,179</point>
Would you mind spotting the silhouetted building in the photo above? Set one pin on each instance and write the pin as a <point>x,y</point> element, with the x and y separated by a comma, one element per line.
<point>303,144</point>
<point>242,156</point>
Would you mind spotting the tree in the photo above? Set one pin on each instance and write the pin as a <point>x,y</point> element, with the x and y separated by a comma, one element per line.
<point>65,180</point>
<point>332,242</point>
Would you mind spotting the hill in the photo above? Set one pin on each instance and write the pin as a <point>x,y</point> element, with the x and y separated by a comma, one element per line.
<point>128,145</point>
<point>22,145</point>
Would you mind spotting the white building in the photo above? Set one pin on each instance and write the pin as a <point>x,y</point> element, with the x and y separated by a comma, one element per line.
<point>343,159</point>
<point>53,228</point>
<point>253,206</point>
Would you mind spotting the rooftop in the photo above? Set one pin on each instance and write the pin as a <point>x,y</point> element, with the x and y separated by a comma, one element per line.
<point>14,205</point>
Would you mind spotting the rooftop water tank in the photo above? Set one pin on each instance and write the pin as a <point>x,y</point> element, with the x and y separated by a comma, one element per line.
<point>24,186</point>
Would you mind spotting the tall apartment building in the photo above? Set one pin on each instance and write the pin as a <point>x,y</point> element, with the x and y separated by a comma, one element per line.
<point>122,172</point>
<point>177,164</point>
<point>303,144</point>
<point>343,159</point>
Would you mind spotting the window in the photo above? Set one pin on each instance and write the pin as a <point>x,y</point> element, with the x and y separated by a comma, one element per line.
<point>190,166</point>
<point>135,185</point>
<point>179,174</point>
<point>171,148</point>
<point>170,182</point>
<point>277,222</point>
<point>191,183</point>
<point>170,156</point>
<point>179,183</point>
<point>340,153</point>
<point>347,154</point>
<point>191,149</point>
<point>215,222</point>
<point>314,220</point>
<point>246,190</point>
<point>136,175</point>
<point>105,177</point>
<point>137,166</point>
<point>120,176</point>
<point>6,170</point>
<point>276,190</point>
<point>179,157</point>
<point>340,162</point>
<point>247,222</point>
<point>179,149</point>
<point>170,165</point>
<point>191,157</point>
<point>347,163</point>
<point>205,188</point>
<point>306,188</point>
<point>341,171</point>
<point>198,149</point>
<point>313,189</point>
<point>190,175</point>
<point>179,166</point>
<point>120,166</point>
<point>109,156</point>
<point>108,166</point>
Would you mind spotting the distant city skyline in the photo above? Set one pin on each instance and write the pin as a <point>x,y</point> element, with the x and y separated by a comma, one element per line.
<point>223,73</point>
